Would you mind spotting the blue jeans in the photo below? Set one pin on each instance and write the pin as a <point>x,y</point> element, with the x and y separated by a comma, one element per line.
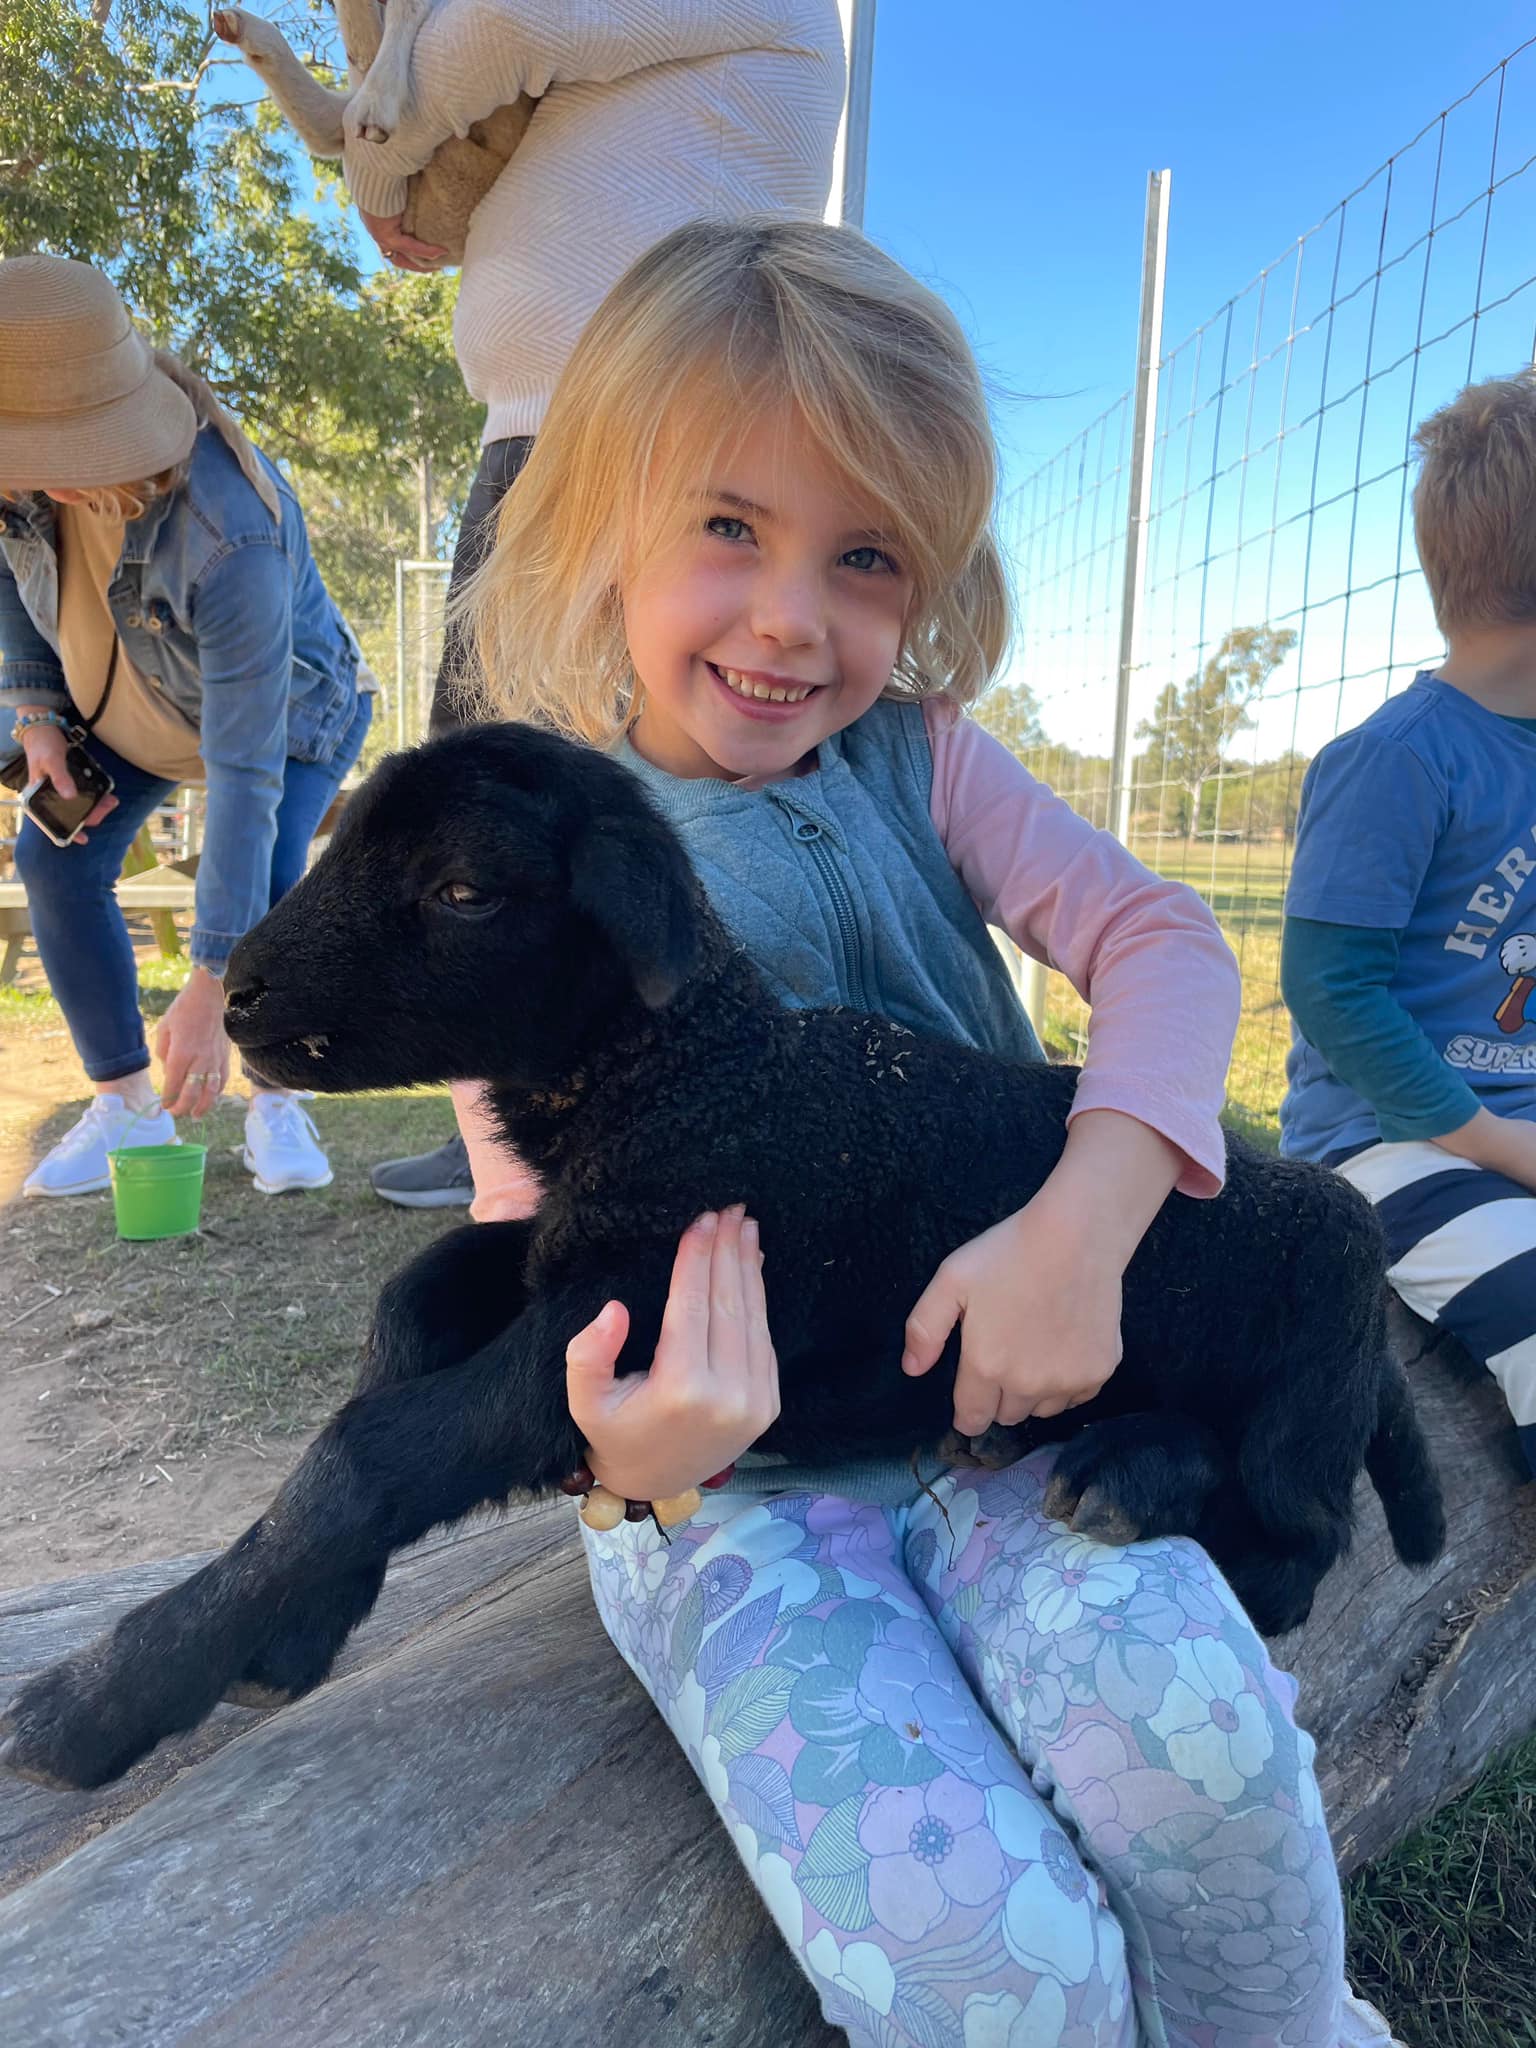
<point>72,896</point>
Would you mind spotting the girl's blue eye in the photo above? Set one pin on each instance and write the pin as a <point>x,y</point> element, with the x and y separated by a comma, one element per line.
<point>740,528</point>
<point>868,558</point>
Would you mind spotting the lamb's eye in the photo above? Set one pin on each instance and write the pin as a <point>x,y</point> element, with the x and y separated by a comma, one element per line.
<point>468,901</point>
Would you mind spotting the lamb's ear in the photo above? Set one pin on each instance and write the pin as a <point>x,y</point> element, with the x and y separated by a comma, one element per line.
<point>632,878</point>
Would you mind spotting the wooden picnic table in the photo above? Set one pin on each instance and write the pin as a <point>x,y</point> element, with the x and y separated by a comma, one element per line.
<point>162,888</point>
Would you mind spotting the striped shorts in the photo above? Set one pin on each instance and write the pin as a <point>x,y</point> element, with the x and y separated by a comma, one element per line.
<point>1462,1242</point>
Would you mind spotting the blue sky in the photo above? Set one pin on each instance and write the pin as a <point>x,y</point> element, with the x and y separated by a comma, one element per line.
<point>1010,145</point>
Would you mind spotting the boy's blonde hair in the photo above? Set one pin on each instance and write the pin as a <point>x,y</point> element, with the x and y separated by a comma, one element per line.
<point>1474,508</point>
<point>717,325</point>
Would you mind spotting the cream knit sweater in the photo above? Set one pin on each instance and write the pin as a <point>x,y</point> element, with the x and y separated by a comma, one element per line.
<point>651,113</point>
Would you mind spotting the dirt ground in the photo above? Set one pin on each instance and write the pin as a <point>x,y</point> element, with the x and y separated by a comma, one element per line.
<point>153,1396</point>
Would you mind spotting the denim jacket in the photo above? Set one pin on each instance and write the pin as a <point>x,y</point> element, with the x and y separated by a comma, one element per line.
<point>225,612</point>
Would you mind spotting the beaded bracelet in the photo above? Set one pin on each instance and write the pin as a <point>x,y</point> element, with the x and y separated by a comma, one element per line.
<point>26,719</point>
<point>601,1509</point>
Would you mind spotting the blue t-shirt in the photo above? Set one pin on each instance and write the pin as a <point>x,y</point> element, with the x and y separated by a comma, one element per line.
<point>1423,820</point>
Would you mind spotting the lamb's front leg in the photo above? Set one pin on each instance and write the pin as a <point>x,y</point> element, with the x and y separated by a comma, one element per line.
<point>312,109</point>
<point>454,1298</point>
<point>383,99</point>
<point>391,1466</point>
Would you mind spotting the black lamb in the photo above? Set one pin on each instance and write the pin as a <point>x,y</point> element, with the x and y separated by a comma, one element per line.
<point>507,904</point>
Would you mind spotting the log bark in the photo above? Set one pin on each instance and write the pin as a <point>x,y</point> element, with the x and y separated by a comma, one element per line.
<point>479,1831</point>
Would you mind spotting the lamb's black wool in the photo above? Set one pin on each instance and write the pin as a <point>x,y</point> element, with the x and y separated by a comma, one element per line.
<point>504,903</point>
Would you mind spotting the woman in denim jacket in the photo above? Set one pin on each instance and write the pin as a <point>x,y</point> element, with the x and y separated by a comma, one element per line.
<point>156,581</point>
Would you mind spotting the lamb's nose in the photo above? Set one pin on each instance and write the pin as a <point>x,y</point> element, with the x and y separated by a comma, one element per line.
<point>242,997</point>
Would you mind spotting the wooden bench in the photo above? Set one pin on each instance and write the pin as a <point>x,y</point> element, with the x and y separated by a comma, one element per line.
<point>479,1832</point>
<point>159,889</point>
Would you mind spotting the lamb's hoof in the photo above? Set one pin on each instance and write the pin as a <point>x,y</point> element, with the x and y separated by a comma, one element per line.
<point>246,1692</point>
<point>370,131</point>
<point>35,1774</point>
<point>1094,1513</point>
<point>227,25</point>
<point>993,1451</point>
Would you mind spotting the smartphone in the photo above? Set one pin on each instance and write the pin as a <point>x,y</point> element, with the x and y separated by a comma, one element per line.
<point>60,818</point>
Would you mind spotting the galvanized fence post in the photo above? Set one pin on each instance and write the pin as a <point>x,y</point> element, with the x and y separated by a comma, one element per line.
<point>1149,354</point>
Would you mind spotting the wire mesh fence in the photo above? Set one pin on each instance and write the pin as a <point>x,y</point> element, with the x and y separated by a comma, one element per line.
<point>1281,598</point>
<point>421,594</point>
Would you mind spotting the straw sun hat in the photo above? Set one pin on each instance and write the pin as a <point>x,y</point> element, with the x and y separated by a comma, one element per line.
<point>82,404</point>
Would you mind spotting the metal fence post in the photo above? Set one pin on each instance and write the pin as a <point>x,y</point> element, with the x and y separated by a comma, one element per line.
<point>1149,353</point>
<point>846,203</point>
<point>399,655</point>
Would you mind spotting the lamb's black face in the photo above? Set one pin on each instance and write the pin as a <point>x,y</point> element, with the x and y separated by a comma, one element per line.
<point>489,900</point>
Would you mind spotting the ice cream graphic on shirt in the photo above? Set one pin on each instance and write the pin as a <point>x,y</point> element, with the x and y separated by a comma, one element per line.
<point>1517,957</point>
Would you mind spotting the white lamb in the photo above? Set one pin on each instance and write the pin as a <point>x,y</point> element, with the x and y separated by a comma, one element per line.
<point>379,42</point>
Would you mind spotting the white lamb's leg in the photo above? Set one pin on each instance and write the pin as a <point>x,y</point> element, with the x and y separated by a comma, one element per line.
<point>383,100</point>
<point>361,23</point>
<point>311,108</point>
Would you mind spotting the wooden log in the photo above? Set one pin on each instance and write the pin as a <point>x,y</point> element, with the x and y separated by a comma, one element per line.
<point>479,1831</point>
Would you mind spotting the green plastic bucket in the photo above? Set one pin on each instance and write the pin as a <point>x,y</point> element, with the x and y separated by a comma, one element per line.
<point>157,1190</point>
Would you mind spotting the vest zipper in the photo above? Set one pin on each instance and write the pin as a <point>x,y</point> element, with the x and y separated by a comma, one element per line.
<point>809,834</point>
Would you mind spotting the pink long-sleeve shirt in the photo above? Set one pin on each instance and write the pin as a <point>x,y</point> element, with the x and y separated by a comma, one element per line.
<point>1144,953</point>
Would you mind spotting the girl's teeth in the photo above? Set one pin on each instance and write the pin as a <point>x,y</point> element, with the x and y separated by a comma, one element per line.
<point>771,694</point>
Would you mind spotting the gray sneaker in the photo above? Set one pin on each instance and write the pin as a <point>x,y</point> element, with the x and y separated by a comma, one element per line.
<point>432,1180</point>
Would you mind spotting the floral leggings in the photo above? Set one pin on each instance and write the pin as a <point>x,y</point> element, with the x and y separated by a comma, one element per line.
<point>999,1786</point>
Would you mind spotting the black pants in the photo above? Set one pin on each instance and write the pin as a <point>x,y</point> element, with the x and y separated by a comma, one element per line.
<point>500,462</point>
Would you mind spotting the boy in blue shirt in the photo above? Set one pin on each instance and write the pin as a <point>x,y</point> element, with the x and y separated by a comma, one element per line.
<point>1409,952</point>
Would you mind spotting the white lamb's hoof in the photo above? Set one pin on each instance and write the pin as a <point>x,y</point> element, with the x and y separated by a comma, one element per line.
<point>228,24</point>
<point>372,132</point>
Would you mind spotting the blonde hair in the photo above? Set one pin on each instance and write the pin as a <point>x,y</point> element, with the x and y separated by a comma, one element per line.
<point>718,324</point>
<point>1474,507</point>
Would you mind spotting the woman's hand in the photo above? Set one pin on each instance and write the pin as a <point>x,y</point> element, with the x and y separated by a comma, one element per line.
<point>1038,1295</point>
<point>192,1047</point>
<point>713,1385</point>
<point>47,750</point>
<point>399,248</point>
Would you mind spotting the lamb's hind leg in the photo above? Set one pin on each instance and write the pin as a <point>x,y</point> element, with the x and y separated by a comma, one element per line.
<point>361,23</point>
<point>391,1466</point>
<point>1283,1518</point>
<point>383,100</point>
<point>450,1301</point>
<point>1133,1476</point>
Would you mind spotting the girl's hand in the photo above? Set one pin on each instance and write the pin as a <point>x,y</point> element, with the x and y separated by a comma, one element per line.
<point>1038,1301</point>
<point>192,1048</point>
<point>713,1385</point>
<point>1038,1295</point>
<point>47,752</point>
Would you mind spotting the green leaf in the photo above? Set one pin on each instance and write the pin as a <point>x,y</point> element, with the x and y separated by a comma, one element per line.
<point>834,1871</point>
<point>750,1708</point>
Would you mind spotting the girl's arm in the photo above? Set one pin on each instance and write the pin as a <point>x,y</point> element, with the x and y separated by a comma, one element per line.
<point>1039,1295</point>
<point>473,56</point>
<point>1144,953</point>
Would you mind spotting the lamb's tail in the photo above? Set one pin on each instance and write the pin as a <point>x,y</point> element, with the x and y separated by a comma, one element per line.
<point>1403,1472</point>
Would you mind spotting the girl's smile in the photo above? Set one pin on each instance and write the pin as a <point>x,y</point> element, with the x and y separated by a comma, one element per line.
<point>776,622</point>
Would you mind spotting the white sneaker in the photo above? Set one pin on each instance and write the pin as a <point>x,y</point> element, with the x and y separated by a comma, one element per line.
<point>77,1165</point>
<point>282,1146</point>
